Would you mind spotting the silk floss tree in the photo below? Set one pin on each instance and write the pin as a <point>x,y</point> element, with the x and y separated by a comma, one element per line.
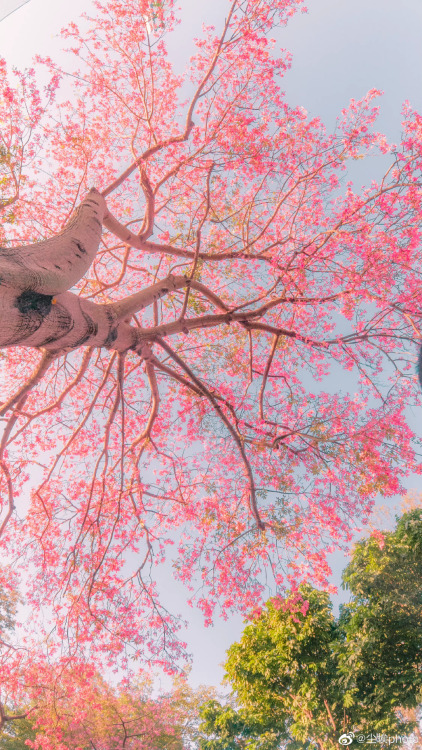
<point>168,327</point>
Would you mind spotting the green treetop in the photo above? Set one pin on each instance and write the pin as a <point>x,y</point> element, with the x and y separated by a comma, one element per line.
<point>302,678</point>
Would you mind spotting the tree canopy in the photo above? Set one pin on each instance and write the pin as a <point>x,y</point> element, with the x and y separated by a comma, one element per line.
<point>182,267</point>
<point>84,711</point>
<point>303,678</point>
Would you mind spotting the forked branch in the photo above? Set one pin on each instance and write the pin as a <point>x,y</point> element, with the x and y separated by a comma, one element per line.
<point>20,395</point>
<point>265,376</point>
<point>147,227</point>
<point>10,498</point>
<point>140,300</point>
<point>217,408</point>
<point>148,358</point>
<point>176,376</point>
<point>143,158</point>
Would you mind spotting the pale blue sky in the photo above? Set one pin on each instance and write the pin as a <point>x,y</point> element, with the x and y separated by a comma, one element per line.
<point>340,49</point>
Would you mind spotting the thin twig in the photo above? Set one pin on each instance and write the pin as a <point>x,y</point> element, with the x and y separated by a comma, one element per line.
<point>20,395</point>
<point>252,496</point>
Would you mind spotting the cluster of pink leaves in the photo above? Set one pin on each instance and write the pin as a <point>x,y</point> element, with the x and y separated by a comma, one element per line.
<point>22,138</point>
<point>70,707</point>
<point>249,201</point>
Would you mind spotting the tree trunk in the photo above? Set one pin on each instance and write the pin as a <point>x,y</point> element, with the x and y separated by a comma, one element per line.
<point>36,310</point>
<point>53,266</point>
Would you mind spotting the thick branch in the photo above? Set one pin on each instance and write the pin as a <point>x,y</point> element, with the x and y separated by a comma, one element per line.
<point>128,306</point>
<point>265,376</point>
<point>4,718</point>
<point>146,354</point>
<point>123,233</point>
<point>53,266</point>
<point>10,498</point>
<point>246,320</point>
<point>138,301</point>
<point>147,227</point>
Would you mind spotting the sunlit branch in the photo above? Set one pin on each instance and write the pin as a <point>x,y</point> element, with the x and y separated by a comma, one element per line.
<point>10,498</point>
<point>256,326</point>
<point>146,354</point>
<point>246,320</point>
<point>118,400</point>
<point>134,303</point>
<point>128,237</point>
<point>198,244</point>
<point>265,376</point>
<point>147,227</point>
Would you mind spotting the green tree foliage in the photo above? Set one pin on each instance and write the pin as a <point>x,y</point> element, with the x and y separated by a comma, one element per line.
<point>382,664</point>
<point>9,599</point>
<point>15,734</point>
<point>302,678</point>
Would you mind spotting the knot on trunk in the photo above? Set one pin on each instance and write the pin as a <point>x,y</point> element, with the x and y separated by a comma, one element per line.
<point>29,302</point>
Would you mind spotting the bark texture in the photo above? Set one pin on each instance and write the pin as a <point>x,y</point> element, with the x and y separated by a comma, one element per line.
<point>36,308</point>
